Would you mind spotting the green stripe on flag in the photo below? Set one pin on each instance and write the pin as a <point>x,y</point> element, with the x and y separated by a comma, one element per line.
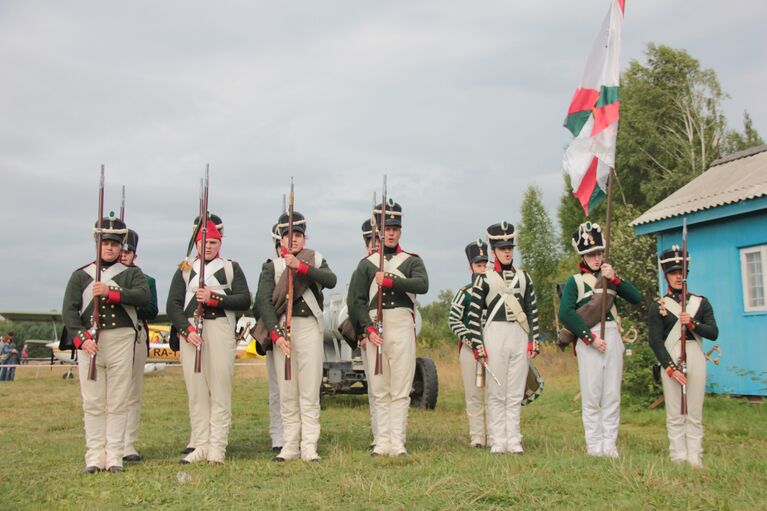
<point>607,95</point>
<point>576,120</point>
<point>597,196</point>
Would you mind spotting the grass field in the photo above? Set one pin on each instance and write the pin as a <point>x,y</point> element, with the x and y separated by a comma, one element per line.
<point>41,441</point>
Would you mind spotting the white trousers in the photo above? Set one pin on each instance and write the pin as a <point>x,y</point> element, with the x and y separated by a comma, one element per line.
<point>300,396</point>
<point>685,432</point>
<point>371,398</point>
<point>475,396</point>
<point>210,390</point>
<point>391,390</point>
<point>133,405</point>
<point>104,400</point>
<point>506,345</point>
<point>275,415</point>
<point>600,377</point>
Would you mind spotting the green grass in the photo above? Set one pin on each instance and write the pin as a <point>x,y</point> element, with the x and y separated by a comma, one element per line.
<point>42,447</point>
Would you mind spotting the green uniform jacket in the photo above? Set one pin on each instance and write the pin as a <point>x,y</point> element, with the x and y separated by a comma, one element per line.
<point>235,299</point>
<point>353,309</point>
<point>416,281</point>
<point>149,311</point>
<point>458,318</point>
<point>264,307</point>
<point>479,308</point>
<point>131,290</point>
<point>660,326</point>
<point>569,304</point>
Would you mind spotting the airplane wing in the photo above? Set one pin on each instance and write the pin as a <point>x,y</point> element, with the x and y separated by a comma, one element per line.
<point>52,315</point>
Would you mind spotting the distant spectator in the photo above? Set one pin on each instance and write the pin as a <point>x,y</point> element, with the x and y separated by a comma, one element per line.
<point>5,352</point>
<point>12,362</point>
<point>25,355</point>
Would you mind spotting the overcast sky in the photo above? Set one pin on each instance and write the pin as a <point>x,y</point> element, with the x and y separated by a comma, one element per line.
<point>461,103</point>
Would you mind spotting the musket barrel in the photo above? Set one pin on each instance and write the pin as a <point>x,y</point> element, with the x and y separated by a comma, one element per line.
<point>288,375</point>
<point>97,299</point>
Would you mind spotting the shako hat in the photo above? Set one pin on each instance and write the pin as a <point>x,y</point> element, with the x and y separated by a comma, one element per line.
<point>393,214</point>
<point>367,230</point>
<point>501,235</point>
<point>299,223</point>
<point>476,252</point>
<point>671,259</point>
<point>276,234</point>
<point>112,228</point>
<point>588,238</point>
<point>131,241</point>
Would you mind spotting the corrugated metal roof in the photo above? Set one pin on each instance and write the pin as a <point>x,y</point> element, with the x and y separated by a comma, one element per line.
<point>735,178</point>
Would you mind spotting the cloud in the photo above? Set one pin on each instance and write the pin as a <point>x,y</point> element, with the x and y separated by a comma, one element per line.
<point>460,103</point>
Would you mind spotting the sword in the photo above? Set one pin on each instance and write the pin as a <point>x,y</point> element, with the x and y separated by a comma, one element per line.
<point>490,372</point>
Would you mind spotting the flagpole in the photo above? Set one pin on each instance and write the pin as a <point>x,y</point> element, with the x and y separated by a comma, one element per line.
<point>603,311</point>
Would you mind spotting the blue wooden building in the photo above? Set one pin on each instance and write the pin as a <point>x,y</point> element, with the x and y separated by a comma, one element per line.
<point>726,211</point>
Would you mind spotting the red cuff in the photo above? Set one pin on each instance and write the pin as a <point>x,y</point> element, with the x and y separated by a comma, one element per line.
<point>190,329</point>
<point>372,329</point>
<point>669,370</point>
<point>530,346</point>
<point>113,297</point>
<point>214,300</point>
<point>589,339</point>
<point>273,335</point>
<point>388,282</point>
<point>303,269</point>
<point>616,280</point>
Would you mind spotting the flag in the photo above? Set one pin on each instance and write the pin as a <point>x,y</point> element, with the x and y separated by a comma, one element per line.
<point>593,114</point>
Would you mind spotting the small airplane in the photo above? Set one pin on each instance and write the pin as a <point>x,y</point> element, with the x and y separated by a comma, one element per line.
<point>160,352</point>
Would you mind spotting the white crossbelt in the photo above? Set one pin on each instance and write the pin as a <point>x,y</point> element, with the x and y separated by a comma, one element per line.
<point>107,277</point>
<point>211,282</point>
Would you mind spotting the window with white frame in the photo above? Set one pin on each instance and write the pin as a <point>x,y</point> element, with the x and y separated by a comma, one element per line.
<point>753,268</point>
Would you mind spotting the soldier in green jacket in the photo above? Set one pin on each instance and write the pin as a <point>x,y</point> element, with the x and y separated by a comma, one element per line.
<point>685,432</point>
<point>299,396</point>
<point>210,391</point>
<point>600,361</point>
<point>122,289</point>
<point>371,246</point>
<point>458,320</point>
<point>141,350</point>
<point>509,338</point>
<point>403,277</point>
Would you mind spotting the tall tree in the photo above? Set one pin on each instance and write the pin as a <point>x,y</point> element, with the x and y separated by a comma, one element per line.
<point>739,141</point>
<point>539,246</point>
<point>671,124</point>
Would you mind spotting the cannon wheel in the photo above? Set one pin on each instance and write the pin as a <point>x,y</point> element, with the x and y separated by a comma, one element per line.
<point>425,384</point>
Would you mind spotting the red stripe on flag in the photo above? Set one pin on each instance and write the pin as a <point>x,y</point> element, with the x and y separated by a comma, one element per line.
<point>589,181</point>
<point>583,99</point>
<point>604,116</point>
<point>622,5</point>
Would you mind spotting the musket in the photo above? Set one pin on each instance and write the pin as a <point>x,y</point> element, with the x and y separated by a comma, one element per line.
<point>381,261</point>
<point>683,354</point>
<point>200,312</point>
<point>97,299</point>
<point>122,205</point>
<point>289,311</point>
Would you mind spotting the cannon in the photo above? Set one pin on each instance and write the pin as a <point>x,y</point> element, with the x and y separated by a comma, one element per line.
<point>342,367</point>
